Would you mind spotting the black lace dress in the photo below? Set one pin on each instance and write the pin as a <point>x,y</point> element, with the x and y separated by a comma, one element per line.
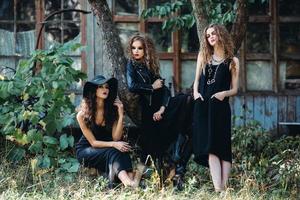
<point>108,160</point>
<point>212,117</point>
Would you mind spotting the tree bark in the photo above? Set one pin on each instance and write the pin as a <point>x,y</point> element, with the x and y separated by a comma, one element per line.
<point>239,26</point>
<point>114,55</point>
<point>200,15</point>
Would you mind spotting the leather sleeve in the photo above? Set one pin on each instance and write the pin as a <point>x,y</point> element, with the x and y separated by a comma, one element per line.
<point>134,85</point>
<point>166,97</point>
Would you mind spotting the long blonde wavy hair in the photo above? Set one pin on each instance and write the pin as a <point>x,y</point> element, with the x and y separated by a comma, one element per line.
<point>225,41</point>
<point>150,57</point>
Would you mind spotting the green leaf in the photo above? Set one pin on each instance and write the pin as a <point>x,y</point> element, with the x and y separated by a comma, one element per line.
<point>36,147</point>
<point>71,141</point>
<point>74,168</point>
<point>16,154</point>
<point>44,162</point>
<point>63,142</point>
<point>50,140</point>
<point>54,84</point>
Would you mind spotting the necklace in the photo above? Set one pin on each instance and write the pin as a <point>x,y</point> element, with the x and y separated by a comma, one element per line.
<point>216,60</point>
<point>211,79</point>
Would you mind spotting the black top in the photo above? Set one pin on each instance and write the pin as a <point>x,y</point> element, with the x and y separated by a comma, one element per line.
<point>101,133</point>
<point>140,80</point>
<point>217,78</point>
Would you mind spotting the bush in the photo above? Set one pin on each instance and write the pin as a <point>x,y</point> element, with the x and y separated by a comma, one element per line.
<point>35,108</point>
<point>271,162</point>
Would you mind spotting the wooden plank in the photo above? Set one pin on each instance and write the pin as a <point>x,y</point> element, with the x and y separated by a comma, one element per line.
<point>249,109</point>
<point>271,117</point>
<point>238,113</point>
<point>90,47</point>
<point>298,109</point>
<point>83,36</point>
<point>258,19</point>
<point>259,110</point>
<point>291,109</point>
<point>176,61</point>
<point>258,56</point>
<point>282,113</point>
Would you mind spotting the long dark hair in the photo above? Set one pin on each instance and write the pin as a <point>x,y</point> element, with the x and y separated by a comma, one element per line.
<point>89,108</point>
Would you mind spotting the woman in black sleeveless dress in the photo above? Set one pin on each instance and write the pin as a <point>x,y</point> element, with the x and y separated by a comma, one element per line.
<point>100,118</point>
<point>216,80</point>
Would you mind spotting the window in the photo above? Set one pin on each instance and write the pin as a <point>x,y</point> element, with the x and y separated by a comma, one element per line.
<point>272,46</point>
<point>20,21</point>
<point>17,32</point>
<point>289,44</point>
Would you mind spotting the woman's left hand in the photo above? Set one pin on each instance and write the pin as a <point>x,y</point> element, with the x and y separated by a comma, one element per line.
<point>119,104</point>
<point>158,115</point>
<point>219,95</point>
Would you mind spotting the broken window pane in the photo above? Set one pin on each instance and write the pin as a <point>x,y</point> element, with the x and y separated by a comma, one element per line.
<point>290,74</point>
<point>71,4</point>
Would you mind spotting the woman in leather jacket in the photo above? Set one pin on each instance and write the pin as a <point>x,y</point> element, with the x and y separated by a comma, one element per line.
<point>163,116</point>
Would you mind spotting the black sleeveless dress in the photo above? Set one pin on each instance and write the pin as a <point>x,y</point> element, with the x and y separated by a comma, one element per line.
<point>108,160</point>
<point>212,117</point>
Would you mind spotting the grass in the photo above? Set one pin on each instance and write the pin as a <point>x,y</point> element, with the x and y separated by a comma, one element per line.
<point>17,182</point>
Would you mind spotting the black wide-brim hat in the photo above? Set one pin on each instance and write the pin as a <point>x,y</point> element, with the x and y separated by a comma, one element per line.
<point>90,86</point>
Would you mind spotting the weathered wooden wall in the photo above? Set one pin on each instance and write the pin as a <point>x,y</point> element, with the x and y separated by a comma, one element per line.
<point>269,110</point>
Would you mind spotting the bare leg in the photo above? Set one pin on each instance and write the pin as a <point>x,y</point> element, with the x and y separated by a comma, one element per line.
<point>226,166</point>
<point>125,178</point>
<point>215,172</point>
<point>128,179</point>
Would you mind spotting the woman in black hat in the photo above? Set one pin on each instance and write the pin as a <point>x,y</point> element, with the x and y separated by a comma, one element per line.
<point>100,118</point>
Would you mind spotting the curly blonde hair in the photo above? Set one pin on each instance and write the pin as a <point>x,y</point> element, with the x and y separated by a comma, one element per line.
<point>150,57</point>
<point>225,41</point>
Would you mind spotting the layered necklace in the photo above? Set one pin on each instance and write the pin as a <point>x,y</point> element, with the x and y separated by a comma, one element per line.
<point>212,78</point>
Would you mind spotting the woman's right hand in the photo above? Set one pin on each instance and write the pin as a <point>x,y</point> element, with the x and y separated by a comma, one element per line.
<point>158,83</point>
<point>122,146</point>
<point>198,95</point>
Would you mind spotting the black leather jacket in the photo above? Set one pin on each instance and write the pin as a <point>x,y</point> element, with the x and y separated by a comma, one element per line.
<point>140,79</point>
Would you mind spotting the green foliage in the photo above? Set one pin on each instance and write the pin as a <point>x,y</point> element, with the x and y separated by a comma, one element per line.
<point>35,108</point>
<point>217,11</point>
<point>272,162</point>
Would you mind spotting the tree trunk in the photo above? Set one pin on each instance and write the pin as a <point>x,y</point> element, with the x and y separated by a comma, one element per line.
<point>115,58</point>
<point>239,26</point>
<point>200,15</point>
